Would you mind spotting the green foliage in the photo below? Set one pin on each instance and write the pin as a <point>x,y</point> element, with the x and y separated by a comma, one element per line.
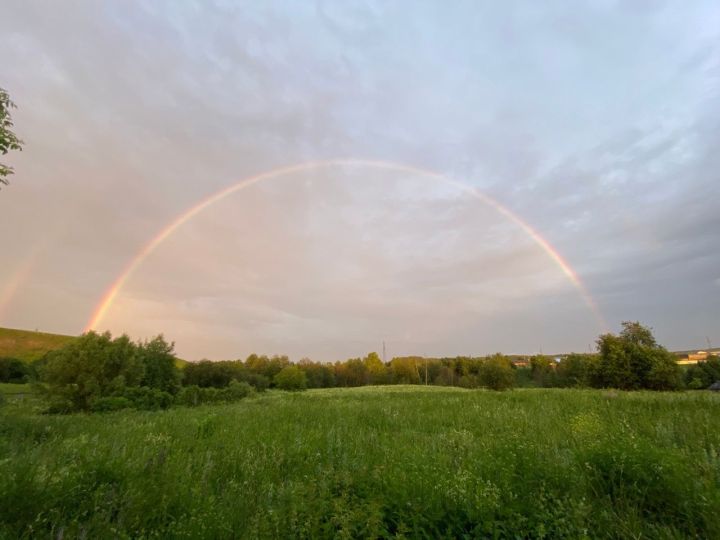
<point>543,370</point>
<point>265,366</point>
<point>377,373</point>
<point>192,396</point>
<point>633,360</point>
<point>8,139</point>
<point>145,398</point>
<point>13,370</point>
<point>291,378</point>
<point>405,370</point>
<point>189,396</point>
<point>95,366</point>
<point>213,374</point>
<point>238,390</point>
<point>158,360</point>
<point>703,374</point>
<point>352,372</point>
<point>497,373</point>
<point>91,367</point>
<point>575,370</point>
<point>318,375</point>
<point>111,403</point>
<point>381,462</point>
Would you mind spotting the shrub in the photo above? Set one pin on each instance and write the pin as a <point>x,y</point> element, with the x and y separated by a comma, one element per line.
<point>497,373</point>
<point>145,398</point>
<point>237,390</point>
<point>633,360</point>
<point>189,395</point>
<point>113,403</point>
<point>291,378</point>
<point>259,382</point>
<point>13,370</point>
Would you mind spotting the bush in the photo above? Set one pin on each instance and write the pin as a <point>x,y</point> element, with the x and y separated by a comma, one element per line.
<point>259,382</point>
<point>497,373</point>
<point>145,398</point>
<point>633,360</point>
<point>703,374</point>
<point>192,396</point>
<point>238,390</point>
<point>189,395</point>
<point>13,370</point>
<point>113,403</point>
<point>291,378</point>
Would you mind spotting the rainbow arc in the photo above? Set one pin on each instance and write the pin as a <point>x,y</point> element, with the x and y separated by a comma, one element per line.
<point>112,292</point>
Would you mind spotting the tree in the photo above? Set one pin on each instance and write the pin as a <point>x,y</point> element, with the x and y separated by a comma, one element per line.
<point>542,369</point>
<point>497,372</point>
<point>318,375</point>
<point>291,378</point>
<point>159,362</point>
<point>90,367</point>
<point>574,370</point>
<point>703,374</point>
<point>405,370</point>
<point>352,372</point>
<point>377,372</point>
<point>13,370</point>
<point>633,360</point>
<point>8,140</point>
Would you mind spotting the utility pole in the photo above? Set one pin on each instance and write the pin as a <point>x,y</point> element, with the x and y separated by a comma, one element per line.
<point>383,352</point>
<point>426,362</point>
<point>708,342</point>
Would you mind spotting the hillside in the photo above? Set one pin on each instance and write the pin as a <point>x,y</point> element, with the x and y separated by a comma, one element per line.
<point>27,345</point>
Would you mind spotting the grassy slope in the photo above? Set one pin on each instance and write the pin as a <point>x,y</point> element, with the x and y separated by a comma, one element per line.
<point>367,462</point>
<point>27,345</point>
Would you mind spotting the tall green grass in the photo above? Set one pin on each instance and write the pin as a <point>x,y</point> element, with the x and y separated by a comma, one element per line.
<point>371,462</point>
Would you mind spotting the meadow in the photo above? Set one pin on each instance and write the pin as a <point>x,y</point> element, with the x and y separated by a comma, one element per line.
<point>400,461</point>
<point>29,346</point>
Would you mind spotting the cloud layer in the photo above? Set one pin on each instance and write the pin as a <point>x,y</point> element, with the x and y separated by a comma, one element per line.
<point>599,126</point>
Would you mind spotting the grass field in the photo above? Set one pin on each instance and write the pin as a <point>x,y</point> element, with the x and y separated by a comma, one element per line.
<point>9,389</point>
<point>370,462</point>
<point>27,345</point>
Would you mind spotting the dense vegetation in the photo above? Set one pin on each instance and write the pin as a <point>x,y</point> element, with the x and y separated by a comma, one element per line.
<point>370,462</point>
<point>96,372</point>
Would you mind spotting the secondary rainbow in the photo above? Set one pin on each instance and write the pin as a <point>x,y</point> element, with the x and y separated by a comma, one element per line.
<point>112,292</point>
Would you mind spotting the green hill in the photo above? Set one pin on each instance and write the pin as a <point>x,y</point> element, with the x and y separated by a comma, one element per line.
<point>27,345</point>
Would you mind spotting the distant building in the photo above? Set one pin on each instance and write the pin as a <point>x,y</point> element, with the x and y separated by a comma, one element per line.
<point>695,357</point>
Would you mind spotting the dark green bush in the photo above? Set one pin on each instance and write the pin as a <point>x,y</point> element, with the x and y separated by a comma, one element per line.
<point>189,395</point>
<point>13,370</point>
<point>112,403</point>
<point>146,398</point>
<point>237,390</point>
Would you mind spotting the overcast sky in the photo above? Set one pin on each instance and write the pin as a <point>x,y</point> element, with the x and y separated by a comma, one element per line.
<point>597,125</point>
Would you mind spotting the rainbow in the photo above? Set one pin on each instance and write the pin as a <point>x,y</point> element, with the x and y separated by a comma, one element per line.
<point>112,292</point>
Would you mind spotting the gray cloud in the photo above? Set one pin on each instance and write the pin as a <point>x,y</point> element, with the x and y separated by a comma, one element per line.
<point>597,125</point>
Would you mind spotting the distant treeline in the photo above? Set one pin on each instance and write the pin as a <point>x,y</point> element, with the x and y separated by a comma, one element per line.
<point>96,372</point>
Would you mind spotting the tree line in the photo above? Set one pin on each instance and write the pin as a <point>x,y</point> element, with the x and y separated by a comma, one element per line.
<point>97,372</point>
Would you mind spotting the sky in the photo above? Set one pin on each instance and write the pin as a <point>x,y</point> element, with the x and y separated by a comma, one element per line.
<point>597,126</point>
